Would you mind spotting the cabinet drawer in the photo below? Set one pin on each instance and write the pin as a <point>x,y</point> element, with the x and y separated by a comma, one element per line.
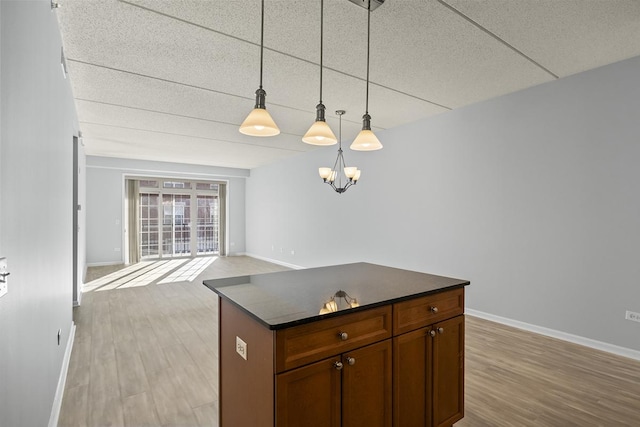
<point>308,343</point>
<point>420,312</point>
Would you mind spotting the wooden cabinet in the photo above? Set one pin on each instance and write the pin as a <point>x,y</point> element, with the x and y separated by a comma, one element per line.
<point>299,345</point>
<point>397,364</point>
<point>428,375</point>
<point>349,390</point>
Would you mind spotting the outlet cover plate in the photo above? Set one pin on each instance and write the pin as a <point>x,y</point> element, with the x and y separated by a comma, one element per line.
<point>241,348</point>
<point>631,315</point>
<point>4,287</point>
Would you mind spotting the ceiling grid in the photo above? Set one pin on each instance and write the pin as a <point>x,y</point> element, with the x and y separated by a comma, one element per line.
<point>172,80</point>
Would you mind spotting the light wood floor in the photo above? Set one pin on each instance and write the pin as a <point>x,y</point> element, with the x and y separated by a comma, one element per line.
<point>147,356</point>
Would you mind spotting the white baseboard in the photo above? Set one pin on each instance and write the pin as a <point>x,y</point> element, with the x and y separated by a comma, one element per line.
<point>102,264</point>
<point>275,261</point>
<point>57,400</point>
<point>576,339</point>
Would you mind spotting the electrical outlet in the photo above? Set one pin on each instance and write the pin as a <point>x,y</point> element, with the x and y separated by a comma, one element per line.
<point>631,315</point>
<point>241,348</point>
<point>4,287</point>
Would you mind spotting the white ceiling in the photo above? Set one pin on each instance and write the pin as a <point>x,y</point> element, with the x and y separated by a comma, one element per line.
<point>171,80</point>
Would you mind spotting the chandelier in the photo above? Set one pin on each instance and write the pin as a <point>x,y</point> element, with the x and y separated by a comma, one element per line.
<point>341,176</point>
<point>331,306</point>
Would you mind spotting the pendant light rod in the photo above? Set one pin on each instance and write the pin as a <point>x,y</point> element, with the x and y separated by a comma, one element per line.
<point>368,50</point>
<point>366,139</point>
<point>321,43</point>
<point>259,121</point>
<point>320,133</point>
<point>261,42</point>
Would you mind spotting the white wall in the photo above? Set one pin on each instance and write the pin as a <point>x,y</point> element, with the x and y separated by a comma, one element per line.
<point>105,195</point>
<point>531,196</point>
<point>36,164</point>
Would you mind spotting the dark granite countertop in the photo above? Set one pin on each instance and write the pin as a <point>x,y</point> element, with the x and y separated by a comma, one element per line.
<point>289,298</point>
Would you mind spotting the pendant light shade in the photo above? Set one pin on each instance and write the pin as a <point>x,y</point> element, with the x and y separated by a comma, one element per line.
<point>366,139</point>
<point>259,121</point>
<point>320,133</point>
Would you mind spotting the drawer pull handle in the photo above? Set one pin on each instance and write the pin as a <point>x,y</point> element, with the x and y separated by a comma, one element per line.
<point>440,330</point>
<point>351,361</point>
<point>432,333</point>
<point>434,310</point>
<point>343,336</point>
<point>338,365</point>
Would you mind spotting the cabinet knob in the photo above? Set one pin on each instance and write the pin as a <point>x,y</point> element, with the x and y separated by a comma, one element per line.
<point>432,333</point>
<point>434,310</point>
<point>351,361</point>
<point>338,365</point>
<point>440,330</point>
<point>343,336</point>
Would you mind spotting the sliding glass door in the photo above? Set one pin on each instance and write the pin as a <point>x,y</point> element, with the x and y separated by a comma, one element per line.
<point>176,225</point>
<point>208,225</point>
<point>169,227</point>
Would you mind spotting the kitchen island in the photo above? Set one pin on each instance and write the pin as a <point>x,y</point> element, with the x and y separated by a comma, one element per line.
<point>348,345</point>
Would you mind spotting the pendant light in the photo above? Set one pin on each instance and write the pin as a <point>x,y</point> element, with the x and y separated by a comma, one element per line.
<point>259,121</point>
<point>334,177</point>
<point>366,139</point>
<point>320,133</point>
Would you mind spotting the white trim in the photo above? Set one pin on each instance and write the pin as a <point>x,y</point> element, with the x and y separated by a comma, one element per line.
<point>275,261</point>
<point>57,400</point>
<point>143,171</point>
<point>576,339</point>
<point>103,264</point>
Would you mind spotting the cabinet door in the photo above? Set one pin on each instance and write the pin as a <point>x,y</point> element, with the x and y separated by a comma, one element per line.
<point>309,396</point>
<point>412,379</point>
<point>448,372</point>
<point>366,386</point>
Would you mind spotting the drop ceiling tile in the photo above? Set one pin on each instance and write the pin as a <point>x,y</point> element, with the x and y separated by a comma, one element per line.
<point>92,113</point>
<point>567,36</point>
<point>436,55</point>
<point>186,71</point>
<point>127,143</point>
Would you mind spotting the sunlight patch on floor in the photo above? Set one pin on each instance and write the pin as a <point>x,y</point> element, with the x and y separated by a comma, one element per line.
<point>116,275</point>
<point>152,275</point>
<point>190,271</point>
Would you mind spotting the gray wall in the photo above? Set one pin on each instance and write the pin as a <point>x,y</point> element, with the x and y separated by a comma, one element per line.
<point>38,123</point>
<point>531,196</point>
<point>105,193</point>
